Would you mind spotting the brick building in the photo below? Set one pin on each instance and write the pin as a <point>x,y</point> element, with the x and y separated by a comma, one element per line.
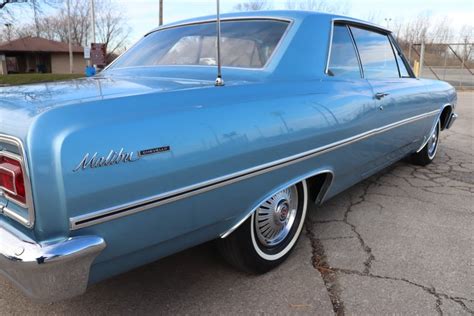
<point>35,54</point>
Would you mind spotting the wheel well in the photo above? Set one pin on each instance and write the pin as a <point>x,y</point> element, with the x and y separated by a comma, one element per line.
<point>443,119</point>
<point>318,186</point>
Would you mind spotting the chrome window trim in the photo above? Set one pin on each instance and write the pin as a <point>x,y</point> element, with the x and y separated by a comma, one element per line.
<point>213,20</point>
<point>399,51</point>
<point>243,18</point>
<point>29,205</point>
<point>354,46</point>
<point>356,49</point>
<point>126,209</point>
<point>348,21</point>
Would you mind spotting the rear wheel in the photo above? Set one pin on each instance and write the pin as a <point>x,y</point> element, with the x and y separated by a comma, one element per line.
<point>428,153</point>
<point>266,239</point>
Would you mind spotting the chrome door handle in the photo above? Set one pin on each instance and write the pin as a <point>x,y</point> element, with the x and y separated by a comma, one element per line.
<point>381,95</point>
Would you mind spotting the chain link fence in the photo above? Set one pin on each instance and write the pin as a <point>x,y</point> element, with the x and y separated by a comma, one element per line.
<point>451,62</point>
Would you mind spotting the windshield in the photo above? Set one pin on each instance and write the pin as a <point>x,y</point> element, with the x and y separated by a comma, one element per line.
<point>244,43</point>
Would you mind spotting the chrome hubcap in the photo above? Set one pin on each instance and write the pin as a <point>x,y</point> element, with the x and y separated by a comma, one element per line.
<point>276,216</point>
<point>433,143</point>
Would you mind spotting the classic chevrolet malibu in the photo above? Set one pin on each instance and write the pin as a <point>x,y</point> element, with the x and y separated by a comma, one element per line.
<point>101,175</point>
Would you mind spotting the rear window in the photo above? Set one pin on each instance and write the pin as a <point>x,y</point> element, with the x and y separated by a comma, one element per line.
<point>343,62</point>
<point>376,54</point>
<point>246,44</point>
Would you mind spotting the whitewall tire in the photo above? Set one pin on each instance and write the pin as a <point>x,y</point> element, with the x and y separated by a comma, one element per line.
<point>267,238</point>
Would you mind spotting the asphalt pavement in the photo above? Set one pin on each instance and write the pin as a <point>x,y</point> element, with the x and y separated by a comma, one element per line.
<point>401,242</point>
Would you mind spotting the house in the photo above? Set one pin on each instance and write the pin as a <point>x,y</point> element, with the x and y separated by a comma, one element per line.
<point>35,54</point>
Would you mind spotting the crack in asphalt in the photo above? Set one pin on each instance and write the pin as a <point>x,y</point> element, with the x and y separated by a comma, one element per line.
<point>452,175</point>
<point>329,274</point>
<point>429,290</point>
<point>360,199</point>
<point>336,238</point>
<point>320,263</point>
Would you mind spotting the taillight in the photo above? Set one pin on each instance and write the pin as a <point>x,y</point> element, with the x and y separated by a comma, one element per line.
<point>12,182</point>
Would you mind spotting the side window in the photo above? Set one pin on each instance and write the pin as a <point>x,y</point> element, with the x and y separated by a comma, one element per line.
<point>343,61</point>
<point>403,69</point>
<point>376,54</point>
<point>404,73</point>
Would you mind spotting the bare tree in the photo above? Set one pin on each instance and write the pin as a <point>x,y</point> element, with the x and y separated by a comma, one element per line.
<point>334,6</point>
<point>374,17</point>
<point>111,27</point>
<point>253,5</point>
<point>416,30</point>
<point>441,31</point>
<point>466,34</point>
<point>54,27</point>
<point>5,16</point>
<point>424,28</point>
<point>467,37</point>
<point>38,7</point>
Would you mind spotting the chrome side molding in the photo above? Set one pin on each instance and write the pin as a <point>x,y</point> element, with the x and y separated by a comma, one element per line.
<point>112,213</point>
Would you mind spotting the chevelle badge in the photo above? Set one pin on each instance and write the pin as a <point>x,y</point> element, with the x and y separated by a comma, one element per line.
<point>113,158</point>
<point>153,151</point>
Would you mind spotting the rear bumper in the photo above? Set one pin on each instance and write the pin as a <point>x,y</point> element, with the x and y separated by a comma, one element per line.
<point>47,272</point>
<point>451,120</point>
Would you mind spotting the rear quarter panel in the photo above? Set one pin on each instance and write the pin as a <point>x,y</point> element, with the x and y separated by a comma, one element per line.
<point>212,132</point>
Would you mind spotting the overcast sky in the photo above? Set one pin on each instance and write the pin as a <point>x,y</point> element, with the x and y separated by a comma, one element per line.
<point>143,14</point>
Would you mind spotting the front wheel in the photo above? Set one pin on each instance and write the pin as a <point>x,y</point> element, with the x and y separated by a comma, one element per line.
<point>428,153</point>
<point>266,239</point>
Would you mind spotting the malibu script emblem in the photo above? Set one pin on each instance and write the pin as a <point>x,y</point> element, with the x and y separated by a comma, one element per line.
<point>115,158</point>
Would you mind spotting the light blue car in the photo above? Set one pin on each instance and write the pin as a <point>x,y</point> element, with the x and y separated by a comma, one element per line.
<point>102,175</point>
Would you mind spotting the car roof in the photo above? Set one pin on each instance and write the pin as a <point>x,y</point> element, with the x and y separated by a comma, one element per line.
<point>296,57</point>
<point>294,15</point>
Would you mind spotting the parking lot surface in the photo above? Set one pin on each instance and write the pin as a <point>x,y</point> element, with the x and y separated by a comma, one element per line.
<point>401,242</point>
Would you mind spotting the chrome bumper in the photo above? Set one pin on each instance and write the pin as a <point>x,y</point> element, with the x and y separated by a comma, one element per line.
<point>451,120</point>
<point>47,272</point>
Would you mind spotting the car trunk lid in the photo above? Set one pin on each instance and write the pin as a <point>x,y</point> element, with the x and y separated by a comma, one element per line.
<point>20,105</point>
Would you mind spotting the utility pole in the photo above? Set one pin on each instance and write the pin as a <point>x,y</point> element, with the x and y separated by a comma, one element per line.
<point>92,4</point>
<point>71,56</point>
<point>161,13</point>
<point>422,56</point>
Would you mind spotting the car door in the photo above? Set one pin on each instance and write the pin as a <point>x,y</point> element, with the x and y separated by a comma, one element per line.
<point>352,103</point>
<point>399,95</point>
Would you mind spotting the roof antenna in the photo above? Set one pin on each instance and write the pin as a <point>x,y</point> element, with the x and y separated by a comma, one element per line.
<point>219,80</point>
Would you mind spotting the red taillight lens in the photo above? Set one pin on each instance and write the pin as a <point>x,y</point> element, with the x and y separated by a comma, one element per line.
<point>11,179</point>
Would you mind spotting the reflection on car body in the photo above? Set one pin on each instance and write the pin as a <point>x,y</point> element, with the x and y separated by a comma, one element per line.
<point>102,175</point>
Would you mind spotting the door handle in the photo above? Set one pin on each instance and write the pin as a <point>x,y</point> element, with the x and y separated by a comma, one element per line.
<point>381,95</point>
